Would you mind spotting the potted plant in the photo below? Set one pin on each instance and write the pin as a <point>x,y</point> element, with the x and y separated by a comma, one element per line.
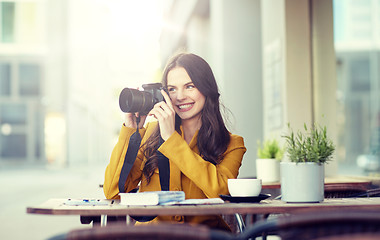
<point>269,155</point>
<point>302,176</point>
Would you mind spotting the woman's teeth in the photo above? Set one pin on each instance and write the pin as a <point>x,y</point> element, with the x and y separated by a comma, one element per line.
<point>184,106</point>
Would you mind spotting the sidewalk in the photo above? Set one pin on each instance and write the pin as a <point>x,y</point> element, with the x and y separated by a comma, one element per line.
<point>28,187</point>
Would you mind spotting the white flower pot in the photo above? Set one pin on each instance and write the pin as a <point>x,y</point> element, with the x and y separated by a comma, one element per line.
<point>302,182</point>
<point>268,170</point>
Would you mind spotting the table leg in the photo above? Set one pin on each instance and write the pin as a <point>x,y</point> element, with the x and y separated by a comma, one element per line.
<point>128,220</point>
<point>96,220</point>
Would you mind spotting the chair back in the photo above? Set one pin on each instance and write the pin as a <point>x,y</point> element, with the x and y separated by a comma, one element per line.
<point>317,224</point>
<point>144,232</point>
<point>311,224</point>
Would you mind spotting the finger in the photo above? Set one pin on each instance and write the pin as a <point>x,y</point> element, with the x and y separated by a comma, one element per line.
<point>167,98</point>
<point>156,113</point>
<point>137,114</point>
<point>142,120</point>
<point>164,110</point>
<point>166,107</point>
<point>129,120</point>
<point>159,105</point>
<point>169,111</point>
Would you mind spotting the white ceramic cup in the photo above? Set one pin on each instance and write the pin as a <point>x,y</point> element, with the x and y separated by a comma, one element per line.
<point>244,187</point>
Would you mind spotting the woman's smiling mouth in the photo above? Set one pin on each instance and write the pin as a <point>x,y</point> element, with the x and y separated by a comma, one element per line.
<point>185,107</point>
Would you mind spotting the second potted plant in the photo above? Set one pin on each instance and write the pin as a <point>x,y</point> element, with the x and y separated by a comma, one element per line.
<point>302,176</point>
<point>269,155</point>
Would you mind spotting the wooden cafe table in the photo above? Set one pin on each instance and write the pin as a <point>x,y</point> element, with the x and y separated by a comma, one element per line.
<point>113,208</point>
<point>265,207</point>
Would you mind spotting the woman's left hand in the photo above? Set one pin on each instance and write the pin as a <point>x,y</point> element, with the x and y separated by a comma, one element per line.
<point>165,114</point>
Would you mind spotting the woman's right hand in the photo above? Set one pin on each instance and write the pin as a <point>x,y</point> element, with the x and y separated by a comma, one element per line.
<point>130,120</point>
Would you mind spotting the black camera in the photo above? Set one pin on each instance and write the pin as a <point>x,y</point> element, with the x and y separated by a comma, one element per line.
<point>132,100</point>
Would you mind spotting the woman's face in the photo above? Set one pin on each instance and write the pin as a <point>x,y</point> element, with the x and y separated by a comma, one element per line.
<point>187,100</point>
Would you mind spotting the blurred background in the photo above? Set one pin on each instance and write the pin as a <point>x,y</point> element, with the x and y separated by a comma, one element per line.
<point>63,64</point>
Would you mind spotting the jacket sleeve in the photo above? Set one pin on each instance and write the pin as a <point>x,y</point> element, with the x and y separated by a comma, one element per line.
<point>210,178</point>
<point>112,174</point>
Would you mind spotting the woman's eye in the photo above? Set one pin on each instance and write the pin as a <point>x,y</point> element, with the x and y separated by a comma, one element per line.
<point>171,89</point>
<point>190,86</point>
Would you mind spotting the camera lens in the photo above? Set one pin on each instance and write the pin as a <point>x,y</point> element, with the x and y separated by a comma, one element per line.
<point>133,100</point>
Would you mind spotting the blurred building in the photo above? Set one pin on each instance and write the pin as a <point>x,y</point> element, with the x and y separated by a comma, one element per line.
<point>63,64</point>
<point>22,78</point>
<point>280,61</point>
<point>228,35</point>
<point>357,44</point>
<point>266,61</point>
<point>58,87</point>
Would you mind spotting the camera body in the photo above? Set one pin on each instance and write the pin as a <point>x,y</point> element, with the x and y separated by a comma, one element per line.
<point>132,100</point>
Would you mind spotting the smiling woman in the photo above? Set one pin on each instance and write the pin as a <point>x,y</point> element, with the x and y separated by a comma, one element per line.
<point>189,134</point>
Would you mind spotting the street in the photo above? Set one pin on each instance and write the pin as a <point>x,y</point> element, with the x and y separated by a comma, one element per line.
<point>29,187</point>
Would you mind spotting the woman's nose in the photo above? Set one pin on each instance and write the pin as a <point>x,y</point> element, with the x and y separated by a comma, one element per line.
<point>180,95</point>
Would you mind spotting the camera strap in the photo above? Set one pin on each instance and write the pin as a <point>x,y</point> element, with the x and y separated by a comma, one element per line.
<point>130,157</point>
<point>163,169</point>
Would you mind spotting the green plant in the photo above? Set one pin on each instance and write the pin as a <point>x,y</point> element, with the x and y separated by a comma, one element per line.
<point>270,149</point>
<point>313,145</point>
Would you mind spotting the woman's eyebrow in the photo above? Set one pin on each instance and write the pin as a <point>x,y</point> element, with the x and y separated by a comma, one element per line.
<point>183,84</point>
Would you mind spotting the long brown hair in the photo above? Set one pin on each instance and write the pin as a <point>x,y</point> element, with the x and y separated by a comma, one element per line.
<point>213,136</point>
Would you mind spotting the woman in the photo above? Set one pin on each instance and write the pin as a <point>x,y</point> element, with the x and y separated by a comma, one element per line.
<point>202,153</point>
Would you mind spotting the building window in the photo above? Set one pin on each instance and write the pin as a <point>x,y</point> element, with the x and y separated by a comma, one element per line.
<point>29,78</point>
<point>359,72</point>
<point>20,22</point>
<point>5,79</point>
<point>13,146</point>
<point>13,113</point>
<point>8,22</point>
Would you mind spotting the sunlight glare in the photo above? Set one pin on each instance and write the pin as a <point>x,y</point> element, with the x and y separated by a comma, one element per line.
<point>135,28</point>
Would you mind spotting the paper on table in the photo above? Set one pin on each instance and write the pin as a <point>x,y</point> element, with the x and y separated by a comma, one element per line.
<point>86,202</point>
<point>197,201</point>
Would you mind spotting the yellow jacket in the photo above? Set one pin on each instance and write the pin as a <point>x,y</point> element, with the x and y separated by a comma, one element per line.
<point>188,171</point>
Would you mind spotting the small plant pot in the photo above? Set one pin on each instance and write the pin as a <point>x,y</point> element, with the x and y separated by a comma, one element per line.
<point>268,170</point>
<point>302,182</point>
